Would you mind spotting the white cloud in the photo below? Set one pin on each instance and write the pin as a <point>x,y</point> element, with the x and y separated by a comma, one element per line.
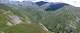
<point>19,0</point>
<point>75,3</point>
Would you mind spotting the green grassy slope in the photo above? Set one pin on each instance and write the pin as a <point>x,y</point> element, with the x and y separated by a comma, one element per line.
<point>24,27</point>
<point>59,21</point>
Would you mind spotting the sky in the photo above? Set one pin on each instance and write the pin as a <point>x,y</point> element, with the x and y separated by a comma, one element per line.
<point>75,3</point>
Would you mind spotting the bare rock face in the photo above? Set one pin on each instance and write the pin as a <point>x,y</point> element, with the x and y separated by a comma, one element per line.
<point>14,19</point>
<point>9,24</point>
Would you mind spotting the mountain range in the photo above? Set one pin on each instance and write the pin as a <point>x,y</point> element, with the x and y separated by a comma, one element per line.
<point>39,17</point>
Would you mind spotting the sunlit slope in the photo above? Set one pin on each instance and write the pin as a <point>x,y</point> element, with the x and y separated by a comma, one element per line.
<point>16,20</point>
<point>25,28</point>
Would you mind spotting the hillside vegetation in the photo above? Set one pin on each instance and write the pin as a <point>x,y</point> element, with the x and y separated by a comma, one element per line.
<point>25,24</point>
<point>26,19</point>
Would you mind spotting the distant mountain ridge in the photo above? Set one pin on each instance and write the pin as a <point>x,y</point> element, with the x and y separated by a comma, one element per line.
<point>55,6</point>
<point>51,6</point>
<point>40,3</point>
